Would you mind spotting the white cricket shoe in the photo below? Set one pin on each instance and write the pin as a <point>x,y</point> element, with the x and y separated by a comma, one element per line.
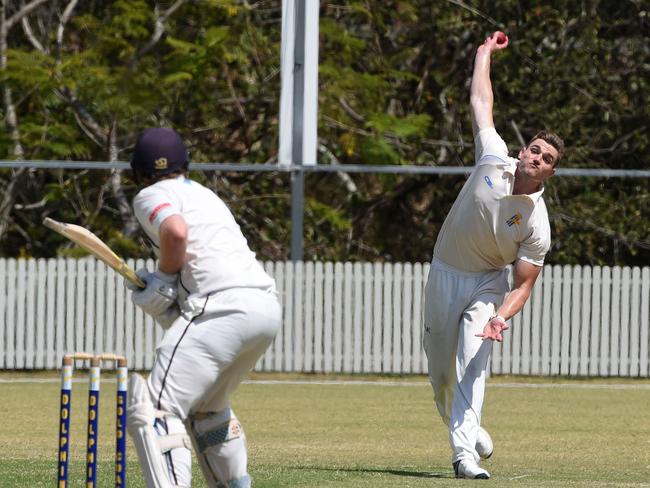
<point>484,446</point>
<point>470,470</point>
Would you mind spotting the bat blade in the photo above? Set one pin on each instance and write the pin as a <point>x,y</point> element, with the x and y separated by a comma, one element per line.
<point>95,246</point>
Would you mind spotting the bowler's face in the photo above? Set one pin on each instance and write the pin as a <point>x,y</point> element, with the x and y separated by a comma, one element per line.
<point>537,161</point>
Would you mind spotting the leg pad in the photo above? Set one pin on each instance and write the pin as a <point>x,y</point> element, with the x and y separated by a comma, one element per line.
<point>223,433</point>
<point>151,447</point>
<point>220,445</point>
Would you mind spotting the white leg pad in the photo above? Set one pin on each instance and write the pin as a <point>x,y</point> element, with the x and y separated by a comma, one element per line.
<point>171,441</point>
<point>150,446</point>
<point>220,445</point>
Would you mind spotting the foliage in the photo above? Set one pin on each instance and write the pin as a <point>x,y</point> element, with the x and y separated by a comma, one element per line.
<point>394,84</point>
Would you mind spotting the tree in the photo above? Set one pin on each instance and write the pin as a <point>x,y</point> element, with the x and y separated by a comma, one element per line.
<point>394,84</point>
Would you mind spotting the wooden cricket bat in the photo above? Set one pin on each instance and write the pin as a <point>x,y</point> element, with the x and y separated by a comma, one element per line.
<point>95,246</point>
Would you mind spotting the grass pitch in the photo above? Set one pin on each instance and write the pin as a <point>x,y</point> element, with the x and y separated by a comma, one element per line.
<point>304,431</point>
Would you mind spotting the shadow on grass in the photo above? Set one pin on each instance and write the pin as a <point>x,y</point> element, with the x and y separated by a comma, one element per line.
<point>442,473</point>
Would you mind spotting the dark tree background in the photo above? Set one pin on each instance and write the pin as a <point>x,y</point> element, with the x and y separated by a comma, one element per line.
<point>79,80</point>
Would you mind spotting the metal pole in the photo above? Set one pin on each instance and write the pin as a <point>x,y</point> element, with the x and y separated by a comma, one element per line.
<point>297,213</point>
<point>298,177</point>
<point>310,45</point>
<point>287,62</point>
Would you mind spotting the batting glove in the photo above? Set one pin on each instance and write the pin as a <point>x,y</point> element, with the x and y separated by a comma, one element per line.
<point>168,317</point>
<point>160,293</point>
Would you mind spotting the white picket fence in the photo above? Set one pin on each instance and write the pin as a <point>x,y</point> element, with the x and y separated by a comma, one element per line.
<point>338,318</point>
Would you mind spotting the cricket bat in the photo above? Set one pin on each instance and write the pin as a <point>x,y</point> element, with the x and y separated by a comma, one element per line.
<point>95,246</point>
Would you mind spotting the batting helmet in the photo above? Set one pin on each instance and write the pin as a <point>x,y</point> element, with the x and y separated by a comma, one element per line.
<point>158,152</point>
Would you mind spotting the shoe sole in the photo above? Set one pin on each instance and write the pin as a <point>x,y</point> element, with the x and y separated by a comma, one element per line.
<point>481,476</point>
<point>477,477</point>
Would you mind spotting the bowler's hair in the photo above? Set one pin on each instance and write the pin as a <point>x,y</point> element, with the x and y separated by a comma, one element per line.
<point>553,139</point>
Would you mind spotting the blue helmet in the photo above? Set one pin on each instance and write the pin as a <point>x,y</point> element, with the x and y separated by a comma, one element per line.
<point>159,151</point>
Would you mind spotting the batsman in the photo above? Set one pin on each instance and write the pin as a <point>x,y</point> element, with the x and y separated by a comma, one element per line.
<point>220,310</point>
<point>498,219</point>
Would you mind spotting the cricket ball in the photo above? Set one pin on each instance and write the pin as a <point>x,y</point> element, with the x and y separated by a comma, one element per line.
<point>501,38</point>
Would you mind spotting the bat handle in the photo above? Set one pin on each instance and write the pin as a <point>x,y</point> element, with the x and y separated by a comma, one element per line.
<point>131,275</point>
<point>137,281</point>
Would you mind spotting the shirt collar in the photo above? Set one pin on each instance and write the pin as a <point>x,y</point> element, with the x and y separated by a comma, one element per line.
<point>537,195</point>
<point>511,168</point>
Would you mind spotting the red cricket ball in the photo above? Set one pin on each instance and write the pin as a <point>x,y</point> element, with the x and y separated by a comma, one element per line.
<point>501,38</point>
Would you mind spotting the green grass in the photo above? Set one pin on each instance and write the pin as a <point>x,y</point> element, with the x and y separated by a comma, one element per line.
<point>366,435</point>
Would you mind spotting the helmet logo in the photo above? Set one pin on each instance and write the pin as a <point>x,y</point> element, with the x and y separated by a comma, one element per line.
<point>160,163</point>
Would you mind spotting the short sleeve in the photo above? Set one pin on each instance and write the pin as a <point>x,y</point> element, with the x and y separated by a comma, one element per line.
<point>533,250</point>
<point>488,142</point>
<point>152,206</point>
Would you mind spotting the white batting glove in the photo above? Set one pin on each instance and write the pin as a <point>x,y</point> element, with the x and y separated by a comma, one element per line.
<point>168,317</point>
<point>160,293</point>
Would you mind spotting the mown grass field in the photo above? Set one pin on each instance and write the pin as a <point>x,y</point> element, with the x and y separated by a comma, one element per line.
<point>378,432</point>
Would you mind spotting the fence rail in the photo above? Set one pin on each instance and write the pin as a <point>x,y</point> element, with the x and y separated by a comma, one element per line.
<point>338,317</point>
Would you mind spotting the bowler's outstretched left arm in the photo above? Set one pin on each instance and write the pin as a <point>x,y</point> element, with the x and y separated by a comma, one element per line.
<point>525,275</point>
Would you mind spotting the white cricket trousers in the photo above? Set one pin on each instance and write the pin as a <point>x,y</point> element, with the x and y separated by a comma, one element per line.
<point>199,364</point>
<point>458,304</point>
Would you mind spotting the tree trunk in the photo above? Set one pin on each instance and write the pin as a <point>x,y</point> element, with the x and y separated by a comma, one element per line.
<point>12,126</point>
<point>131,226</point>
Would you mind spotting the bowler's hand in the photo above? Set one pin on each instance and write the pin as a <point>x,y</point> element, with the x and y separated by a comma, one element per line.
<point>493,329</point>
<point>160,293</point>
<point>498,40</point>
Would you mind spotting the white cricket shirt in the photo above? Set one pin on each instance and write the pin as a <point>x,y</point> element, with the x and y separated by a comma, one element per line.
<point>218,256</point>
<point>488,227</point>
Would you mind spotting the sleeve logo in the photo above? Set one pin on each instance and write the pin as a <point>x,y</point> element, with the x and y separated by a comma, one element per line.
<point>515,219</point>
<point>157,210</point>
